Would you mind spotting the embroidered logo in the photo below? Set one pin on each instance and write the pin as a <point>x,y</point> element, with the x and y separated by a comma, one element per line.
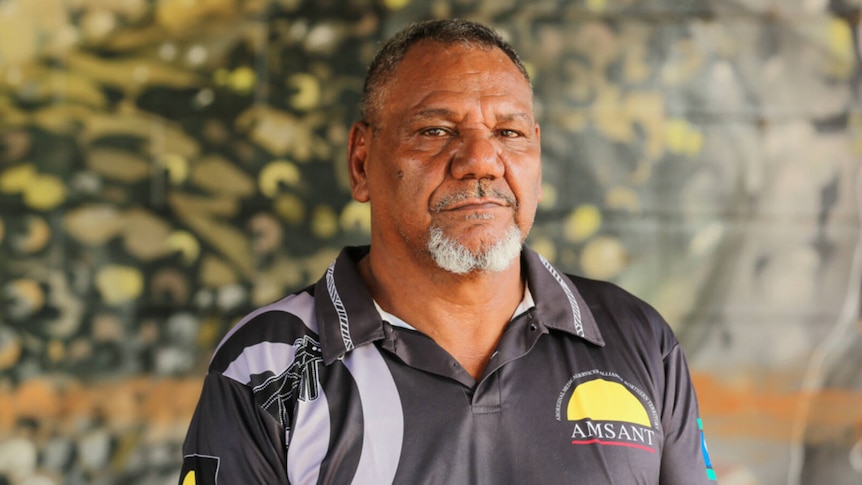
<point>300,381</point>
<point>603,409</point>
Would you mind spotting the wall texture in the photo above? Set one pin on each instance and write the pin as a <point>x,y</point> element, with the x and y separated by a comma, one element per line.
<point>166,165</point>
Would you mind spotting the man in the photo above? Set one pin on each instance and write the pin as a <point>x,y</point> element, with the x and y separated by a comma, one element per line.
<point>448,352</point>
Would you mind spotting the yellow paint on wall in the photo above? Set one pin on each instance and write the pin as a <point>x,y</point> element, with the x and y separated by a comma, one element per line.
<point>603,258</point>
<point>609,116</point>
<point>221,76</point>
<point>215,272</point>
<point>27,293</point>
<point>625,198</point>
<point>530,68</point>
<point>855,124</point>
<point>582,223</point>
<point>176,165</point>
<point>290,208</point>
<point>119,284</point>
<point>186,243</point>
<point>37,236</point>
<point>840,42</point>
<point>276,174</point>
<point>242,80</point>
<point>45,192</point>
<point>307,88</point>
<point>10,353</point>
<point>682,138</point>
<point>324,222</point>
<point>544,246</point>
<point>184,15</point>
<point>395,4</point>
<point>356,216</point>
<point>56,350</point>
<point>550,195</point>
<point>596,5</point>
<point>14,180</point>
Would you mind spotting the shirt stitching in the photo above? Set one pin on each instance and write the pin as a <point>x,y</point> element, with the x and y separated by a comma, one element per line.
<point>339,307</point>
<point>576,311</point>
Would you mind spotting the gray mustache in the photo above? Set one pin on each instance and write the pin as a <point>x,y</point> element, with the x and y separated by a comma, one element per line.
<point>481,191</point>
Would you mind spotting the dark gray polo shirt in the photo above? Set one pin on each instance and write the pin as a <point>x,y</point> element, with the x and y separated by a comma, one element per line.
<point>587,386</point>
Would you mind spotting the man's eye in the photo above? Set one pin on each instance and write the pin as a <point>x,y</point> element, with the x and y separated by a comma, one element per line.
<point>509,133</point>
<point>434,132</point>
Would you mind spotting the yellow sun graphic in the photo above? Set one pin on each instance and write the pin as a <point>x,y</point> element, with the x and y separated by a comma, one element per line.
<point>602,400</point>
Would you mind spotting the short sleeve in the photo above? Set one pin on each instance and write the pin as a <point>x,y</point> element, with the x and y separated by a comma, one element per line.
<point>685,458</point>
<point>230,440</point>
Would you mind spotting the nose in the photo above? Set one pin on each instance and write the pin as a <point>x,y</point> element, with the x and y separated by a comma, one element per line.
<point>477,156</point>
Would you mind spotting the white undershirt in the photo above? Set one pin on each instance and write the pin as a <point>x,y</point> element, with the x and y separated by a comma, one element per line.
<point>526,303</point>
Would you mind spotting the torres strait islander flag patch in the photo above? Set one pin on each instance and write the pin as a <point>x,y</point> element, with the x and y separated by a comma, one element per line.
<point>710,471</point>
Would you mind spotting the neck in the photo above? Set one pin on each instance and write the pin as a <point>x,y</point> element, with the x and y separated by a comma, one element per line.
<point>464,314</point>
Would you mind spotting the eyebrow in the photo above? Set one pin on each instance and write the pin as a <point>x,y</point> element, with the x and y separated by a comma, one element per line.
<point>432,113</point>
<point>517,116</point>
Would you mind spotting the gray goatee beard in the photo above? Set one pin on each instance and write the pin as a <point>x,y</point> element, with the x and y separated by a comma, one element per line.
<point>452,256</point>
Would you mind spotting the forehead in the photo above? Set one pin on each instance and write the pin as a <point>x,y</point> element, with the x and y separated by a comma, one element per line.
<point>432,72</point>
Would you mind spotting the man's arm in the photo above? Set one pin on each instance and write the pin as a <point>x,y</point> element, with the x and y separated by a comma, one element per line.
<point>231,440</point>
<point>685,460</point>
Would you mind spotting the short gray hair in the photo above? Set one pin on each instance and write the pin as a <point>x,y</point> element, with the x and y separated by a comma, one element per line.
<point>450,31</point>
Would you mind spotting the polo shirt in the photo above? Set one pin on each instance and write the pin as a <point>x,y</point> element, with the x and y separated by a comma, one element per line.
<point>588,385</point>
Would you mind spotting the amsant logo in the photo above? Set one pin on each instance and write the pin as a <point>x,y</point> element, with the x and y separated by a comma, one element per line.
<point>605,410</point>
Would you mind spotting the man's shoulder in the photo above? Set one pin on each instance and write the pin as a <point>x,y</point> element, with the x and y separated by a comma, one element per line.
<point>601,291</point>
<point>279,324</point>
<point>616,309</point>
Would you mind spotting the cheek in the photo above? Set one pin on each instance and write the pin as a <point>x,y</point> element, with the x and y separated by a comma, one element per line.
<point>417,180</point>
<point>527,185</point>
<point>403,191</point>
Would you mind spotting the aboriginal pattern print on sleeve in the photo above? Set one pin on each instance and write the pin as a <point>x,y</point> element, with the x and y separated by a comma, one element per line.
<point>278,394</point>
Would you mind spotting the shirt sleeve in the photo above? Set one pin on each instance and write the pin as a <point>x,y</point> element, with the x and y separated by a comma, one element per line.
<point>231,440</point>
<point>685,459</point>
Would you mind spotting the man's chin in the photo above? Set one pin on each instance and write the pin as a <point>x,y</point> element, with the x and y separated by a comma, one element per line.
<point>452,255</point>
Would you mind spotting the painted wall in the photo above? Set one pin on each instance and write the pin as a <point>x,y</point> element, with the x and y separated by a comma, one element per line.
<point>165,166</point>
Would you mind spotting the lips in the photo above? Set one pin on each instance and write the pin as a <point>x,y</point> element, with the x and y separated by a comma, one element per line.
<point>481,197</point>
<point>477,204</point>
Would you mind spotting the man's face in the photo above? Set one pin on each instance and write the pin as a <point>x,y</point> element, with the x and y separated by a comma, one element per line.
<point>453,148</point>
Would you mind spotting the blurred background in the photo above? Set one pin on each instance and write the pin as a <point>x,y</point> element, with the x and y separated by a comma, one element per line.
<point>167,165</point>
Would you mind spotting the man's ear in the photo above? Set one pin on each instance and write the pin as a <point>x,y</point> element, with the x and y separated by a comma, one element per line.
<point>357,154</point>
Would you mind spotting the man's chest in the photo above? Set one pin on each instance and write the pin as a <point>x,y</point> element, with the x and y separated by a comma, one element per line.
<point>555,412</point>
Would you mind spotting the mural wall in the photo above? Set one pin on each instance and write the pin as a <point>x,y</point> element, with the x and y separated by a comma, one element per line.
<point>167,165</point>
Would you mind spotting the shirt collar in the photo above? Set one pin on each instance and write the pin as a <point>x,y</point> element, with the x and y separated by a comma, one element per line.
<point>559,304</point>
<point>347,317</point>
<point>345,312</point>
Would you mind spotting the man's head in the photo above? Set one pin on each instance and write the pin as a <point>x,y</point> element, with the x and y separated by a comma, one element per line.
<point>447,32</point>
<point>448,150</point>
